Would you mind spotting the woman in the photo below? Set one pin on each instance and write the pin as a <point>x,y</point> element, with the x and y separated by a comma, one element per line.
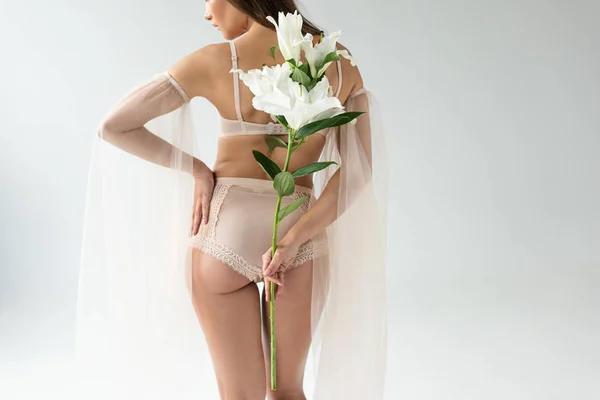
<point>138,325</point>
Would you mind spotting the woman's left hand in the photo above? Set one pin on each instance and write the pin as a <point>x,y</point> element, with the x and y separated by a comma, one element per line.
<point>273,267</point>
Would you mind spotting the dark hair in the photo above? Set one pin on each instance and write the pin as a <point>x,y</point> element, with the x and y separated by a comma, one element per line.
<point>258,10</point>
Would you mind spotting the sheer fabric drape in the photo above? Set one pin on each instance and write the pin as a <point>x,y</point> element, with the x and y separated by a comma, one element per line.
<point>137,333</point>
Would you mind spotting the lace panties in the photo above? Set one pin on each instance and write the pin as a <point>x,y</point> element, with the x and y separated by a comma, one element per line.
<point>240,225</point>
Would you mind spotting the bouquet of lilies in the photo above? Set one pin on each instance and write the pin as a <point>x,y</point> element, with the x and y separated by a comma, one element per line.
<point>298,96</point>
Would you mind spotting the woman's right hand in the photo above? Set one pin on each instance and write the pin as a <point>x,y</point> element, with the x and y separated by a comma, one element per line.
<point>204,184</point>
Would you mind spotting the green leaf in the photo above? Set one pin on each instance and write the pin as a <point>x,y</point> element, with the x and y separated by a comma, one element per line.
<point>287,210</point>
<point>336,120</point>
<point>312,85</point>
<point>310,168</point>
<point>274,141</point>
<point>333,56</point>
<point>292,61</point>
<point>284,183</point>
<point>300,76</point>
<point>267,164</point>
<point>330,57</point>
<point>282,121</point>
<point>305,68</point>
<point>273,51</point>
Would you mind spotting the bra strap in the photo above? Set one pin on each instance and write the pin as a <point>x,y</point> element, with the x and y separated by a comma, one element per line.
<point>236,85</point>
<point>339,68</point>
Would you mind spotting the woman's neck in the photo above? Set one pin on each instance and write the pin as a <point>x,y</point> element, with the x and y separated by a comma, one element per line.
<point>256,31</point>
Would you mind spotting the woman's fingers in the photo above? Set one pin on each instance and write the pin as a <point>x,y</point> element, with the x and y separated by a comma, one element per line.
<point>200,213</point>
<point>204,183</point>
<point>267,289</point>
<point>197,218</point>
<point>205,207</point>
<point>274,265</point>
<point>276,279</point>
<point>272,272</point>
<point>278,288</point>
<point>266,258</point>
<point>194,217</point>
<point>267,279</point>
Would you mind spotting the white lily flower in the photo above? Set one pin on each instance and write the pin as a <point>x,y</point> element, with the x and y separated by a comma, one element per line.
<point>289,31</point>
<point>277,94</point>
<point>317,53</point>
<point>314,105</point>
<point>269,86</point>
<point>347,56</point>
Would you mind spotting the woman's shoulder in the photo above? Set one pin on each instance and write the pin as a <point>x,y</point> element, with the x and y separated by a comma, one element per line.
<point>200,70</point>
<point>195,72</point>
<point>351,76</point>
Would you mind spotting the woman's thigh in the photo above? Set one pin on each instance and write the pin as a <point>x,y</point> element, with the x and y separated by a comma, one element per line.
<point>228,307</point>
<point>292,332</point>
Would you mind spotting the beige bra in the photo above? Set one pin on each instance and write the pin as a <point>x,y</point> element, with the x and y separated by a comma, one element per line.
<point>232,127</point>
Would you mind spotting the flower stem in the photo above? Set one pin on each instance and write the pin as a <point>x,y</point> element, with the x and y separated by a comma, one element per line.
<point>271,300</point>
<point>291,134</point>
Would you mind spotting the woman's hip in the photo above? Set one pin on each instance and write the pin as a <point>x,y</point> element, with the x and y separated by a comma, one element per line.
<point>241,219</point>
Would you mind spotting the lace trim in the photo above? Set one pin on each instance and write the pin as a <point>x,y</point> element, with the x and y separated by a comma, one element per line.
<point>227,256</point>
<point>315,247</point>
<point>305,204</point>
<point>308,251</point>
<point>219,193</point>
<point>205,241</point>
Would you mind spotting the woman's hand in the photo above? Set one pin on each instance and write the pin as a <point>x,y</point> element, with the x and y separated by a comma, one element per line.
<point>204,184</point>
<point>273,267</point>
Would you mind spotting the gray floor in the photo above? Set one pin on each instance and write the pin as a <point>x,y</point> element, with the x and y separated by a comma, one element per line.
<point>518,340</point>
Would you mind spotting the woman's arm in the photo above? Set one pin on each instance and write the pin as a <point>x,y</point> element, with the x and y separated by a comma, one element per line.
<point>123,126</point>
<point>322,213</point>
<point>325,210</point>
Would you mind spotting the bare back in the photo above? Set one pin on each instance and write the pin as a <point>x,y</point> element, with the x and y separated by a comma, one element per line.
<point>234,153</point>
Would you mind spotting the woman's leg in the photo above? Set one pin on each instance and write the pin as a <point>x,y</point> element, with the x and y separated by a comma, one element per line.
<point>228,307</point>
<point>292,331</point>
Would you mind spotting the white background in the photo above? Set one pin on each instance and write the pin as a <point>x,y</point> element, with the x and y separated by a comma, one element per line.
<point>491,113</point>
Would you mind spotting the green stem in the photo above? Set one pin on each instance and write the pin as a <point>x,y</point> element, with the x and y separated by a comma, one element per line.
<point>291,135</point>
<point>272,298</point>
